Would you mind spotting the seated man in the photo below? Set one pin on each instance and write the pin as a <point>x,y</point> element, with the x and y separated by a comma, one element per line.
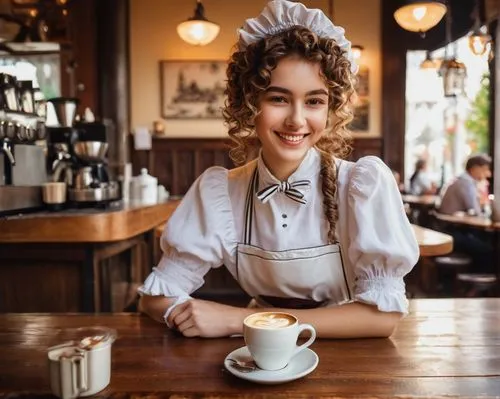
<point>463,195</point>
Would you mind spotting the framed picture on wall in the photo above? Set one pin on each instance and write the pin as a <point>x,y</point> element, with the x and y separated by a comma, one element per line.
<point>192,89</point>
<point>361,121</point>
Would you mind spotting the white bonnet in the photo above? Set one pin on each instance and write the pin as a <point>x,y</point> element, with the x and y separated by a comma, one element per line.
<point>280,15</point>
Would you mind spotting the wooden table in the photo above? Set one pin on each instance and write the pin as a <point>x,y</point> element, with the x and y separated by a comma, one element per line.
<point>423,204</point>
<point>477,222</point>
<point>420,200</point>
<point>444,348</point>
<point>431,242</point>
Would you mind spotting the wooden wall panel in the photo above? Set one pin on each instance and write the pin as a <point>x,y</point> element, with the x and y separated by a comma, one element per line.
<point>58,292</point>
<point>178,162</point>
<point>163,165</point>
<point>393,87</point>
<point>363,147</point>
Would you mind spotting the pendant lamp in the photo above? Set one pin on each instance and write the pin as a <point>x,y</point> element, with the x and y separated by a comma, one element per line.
<point>198,30</point>
<point>357,52</point>
<point>479,40</point>
<point>454,74</point>
<point>452,71</point>
<point>429,63</point>
<point>420,15</point>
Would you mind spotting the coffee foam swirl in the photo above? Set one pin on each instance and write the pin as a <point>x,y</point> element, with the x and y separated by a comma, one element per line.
<point>271,321</point>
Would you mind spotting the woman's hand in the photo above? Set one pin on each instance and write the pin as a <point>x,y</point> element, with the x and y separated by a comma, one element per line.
<point>199,318</point>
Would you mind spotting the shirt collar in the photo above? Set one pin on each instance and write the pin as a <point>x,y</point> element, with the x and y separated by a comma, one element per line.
<point>307,169</point>
<point>467,176</point>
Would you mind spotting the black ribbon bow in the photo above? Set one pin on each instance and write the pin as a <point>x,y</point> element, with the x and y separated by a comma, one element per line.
<point>291,190</point>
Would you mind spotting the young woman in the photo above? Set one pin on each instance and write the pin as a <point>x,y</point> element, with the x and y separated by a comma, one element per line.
<point>420,184</point>
<point>299,228</point>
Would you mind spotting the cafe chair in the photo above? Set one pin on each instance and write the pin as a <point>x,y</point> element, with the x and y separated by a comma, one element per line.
<point>476,284</point>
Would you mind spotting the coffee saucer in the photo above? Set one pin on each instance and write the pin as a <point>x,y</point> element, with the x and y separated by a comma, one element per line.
<point>301,365</point>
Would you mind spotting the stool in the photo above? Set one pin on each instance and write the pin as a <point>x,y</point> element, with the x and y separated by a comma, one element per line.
<point>447,268</point>
<point>453,261</point>
<point>478,283</point>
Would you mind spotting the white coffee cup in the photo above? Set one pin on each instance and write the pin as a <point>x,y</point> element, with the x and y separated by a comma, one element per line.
<point>271,338</point>
<point>81,368</point>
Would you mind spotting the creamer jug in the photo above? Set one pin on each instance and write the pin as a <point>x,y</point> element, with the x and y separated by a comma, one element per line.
<point>144,188</point>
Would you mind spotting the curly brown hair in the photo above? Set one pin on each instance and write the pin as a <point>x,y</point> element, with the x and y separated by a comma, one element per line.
<point>249,74</point>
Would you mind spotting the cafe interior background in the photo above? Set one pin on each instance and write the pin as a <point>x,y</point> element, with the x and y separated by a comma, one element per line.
<point>151,99</point>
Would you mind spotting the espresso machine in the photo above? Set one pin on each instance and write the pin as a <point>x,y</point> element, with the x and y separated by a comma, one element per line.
<point>77,155</point>
<point>22,158</point>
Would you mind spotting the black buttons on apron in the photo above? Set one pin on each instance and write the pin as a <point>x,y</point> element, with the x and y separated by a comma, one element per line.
<point>284,216</point>
<point>285,225</point>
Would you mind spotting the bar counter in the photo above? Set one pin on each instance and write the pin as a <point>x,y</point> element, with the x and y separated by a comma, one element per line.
<point>77,260</point>
<point>116,223</point>
<point>444,348</point>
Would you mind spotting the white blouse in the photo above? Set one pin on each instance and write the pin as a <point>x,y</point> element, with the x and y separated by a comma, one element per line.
<point>372,229</point>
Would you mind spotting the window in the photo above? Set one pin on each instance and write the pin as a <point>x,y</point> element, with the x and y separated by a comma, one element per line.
<point>44,70</point>
<point>438,128</point>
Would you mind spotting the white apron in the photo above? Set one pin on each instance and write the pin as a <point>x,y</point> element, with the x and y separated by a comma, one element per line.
<point>295,278</point>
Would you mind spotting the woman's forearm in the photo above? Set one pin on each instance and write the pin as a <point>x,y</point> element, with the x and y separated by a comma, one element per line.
<point>155,306</point>
<point>352,320</point>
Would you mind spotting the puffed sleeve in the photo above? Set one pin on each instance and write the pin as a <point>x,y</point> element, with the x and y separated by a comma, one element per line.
<point>383,247</point>
<point>194,238</point>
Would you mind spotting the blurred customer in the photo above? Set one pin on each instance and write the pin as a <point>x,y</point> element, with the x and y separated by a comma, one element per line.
<point>400,184</point>
<point>463,194</point>
<point>420,183</point>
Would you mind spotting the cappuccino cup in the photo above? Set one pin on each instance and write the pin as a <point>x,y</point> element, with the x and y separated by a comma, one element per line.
<point>271,338</point>
<point>81,366</point>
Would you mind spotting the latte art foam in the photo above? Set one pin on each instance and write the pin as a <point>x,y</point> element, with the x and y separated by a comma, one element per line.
<point>270,320</point>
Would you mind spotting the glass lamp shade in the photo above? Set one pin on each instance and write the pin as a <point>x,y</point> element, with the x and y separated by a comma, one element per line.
<point>420,16</point>
<point>198,32</point>
<point>357,52</point>
<point>479,42</point>
<point>429,63</point>
<point>453,73</point>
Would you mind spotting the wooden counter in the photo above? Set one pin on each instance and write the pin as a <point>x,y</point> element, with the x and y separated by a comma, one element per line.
<point>85,225</point>
<point>87,260</point>
<point>445,348</point>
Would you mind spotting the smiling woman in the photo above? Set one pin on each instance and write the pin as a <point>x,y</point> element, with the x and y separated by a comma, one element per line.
<point>279,223</point>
